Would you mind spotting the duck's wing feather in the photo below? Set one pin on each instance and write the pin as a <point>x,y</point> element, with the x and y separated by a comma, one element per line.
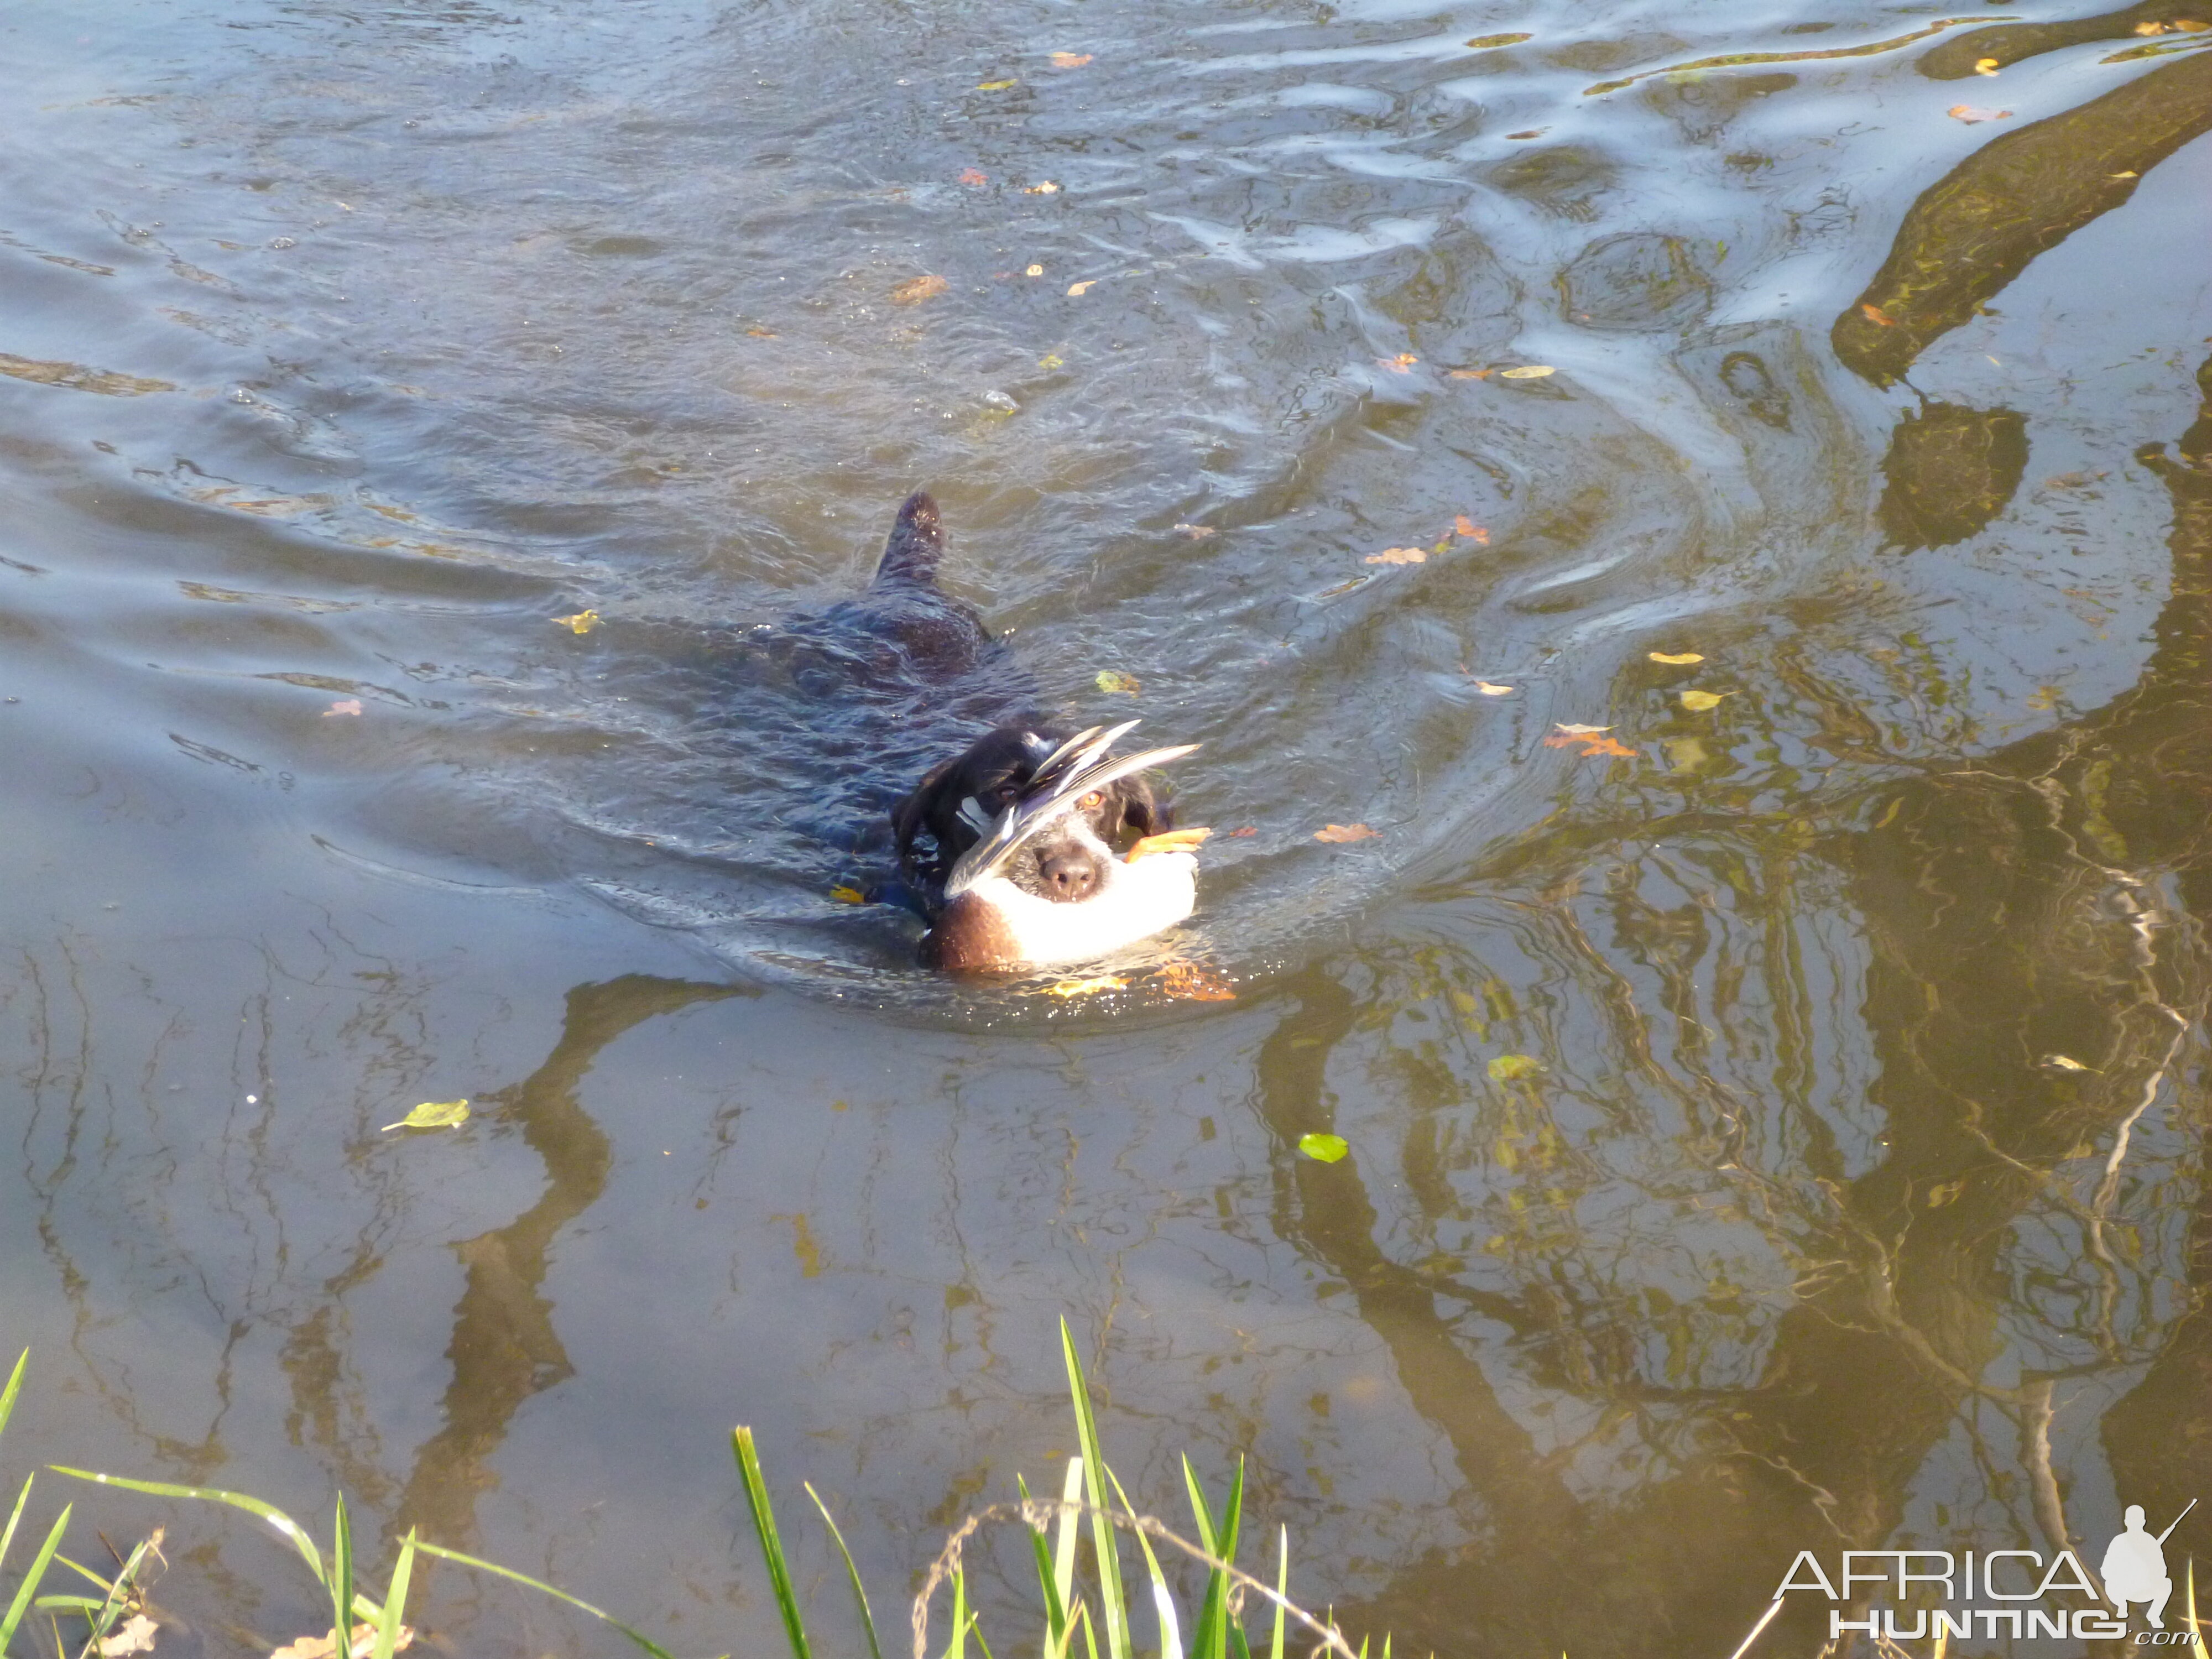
<point>1042,805</point>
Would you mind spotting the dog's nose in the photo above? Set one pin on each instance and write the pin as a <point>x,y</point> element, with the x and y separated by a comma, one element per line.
<point>1069,872</point>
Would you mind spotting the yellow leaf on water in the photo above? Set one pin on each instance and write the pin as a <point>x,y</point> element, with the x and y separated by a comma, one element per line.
<point>1490,690</point>
<point>1675,659</point>
<point>996,86</point>
<point>1168,841</point>
<point>1943,1193</point>
<point>844,895</point>
<point>1113,683</point>
<point>1698,701</point>
<point>582,623</point>
<point>2066,1063</point>
<point>1034,271</point>
<point>1508,1068</point>
<point>1399,556</point>
<point>1046,188</point>
<point>1470,374</point>
<point>1084,988</point>
<point>1527,371</point>
<point>1402,364</point>
<point>1196,981</point>
<point>1971,113</point>
<point>1076,288</point>
<point>1986,66</point>
<point>1345,832</point>
<point>1323,1149</point>
<point>1052,360</point>
<point>1070,59</point>
<point>434,1115</point>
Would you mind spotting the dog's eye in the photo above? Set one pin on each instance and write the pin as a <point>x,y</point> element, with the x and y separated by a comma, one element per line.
<point>1091,799</point>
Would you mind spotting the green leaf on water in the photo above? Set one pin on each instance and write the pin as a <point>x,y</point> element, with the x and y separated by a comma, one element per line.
<point>1111,681</point>
<point>434,1115</point>
<point>1507,1067</point>
<point>1325,1149</point>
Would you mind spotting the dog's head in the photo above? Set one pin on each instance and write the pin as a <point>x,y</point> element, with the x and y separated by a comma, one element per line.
<point>956,803</point>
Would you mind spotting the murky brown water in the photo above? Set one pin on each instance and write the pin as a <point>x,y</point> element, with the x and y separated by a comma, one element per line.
<point>1859,1200</point>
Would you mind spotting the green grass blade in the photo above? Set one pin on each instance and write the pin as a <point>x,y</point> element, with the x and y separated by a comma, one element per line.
<point>292,1531</point>
<point>1163,1599</point>
<point>14,1387</point>
<point>786,1599</point>
<point>341,1577</point>
<point>957,1646</point>
<point>543,1589</point>
<point>1089,1635</point>
<point>1065,1536</point>
<point>859,1592</point>
<point>1113,1599</point>
<point>1055,1610</point>
<point>395,1604</point>
<point>83,1604</point>
<point>976,1628</point>
<point>8,1534</point>
<point>1282,1590</point>
<point>1218,1536</point>
<point>29,1587</point>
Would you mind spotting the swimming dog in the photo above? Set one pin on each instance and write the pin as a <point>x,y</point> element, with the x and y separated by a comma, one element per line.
<point>1026,830</point>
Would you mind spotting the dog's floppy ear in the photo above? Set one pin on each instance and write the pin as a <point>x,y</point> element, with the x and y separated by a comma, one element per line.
<point>910,818</point>
<point>1142,811</point>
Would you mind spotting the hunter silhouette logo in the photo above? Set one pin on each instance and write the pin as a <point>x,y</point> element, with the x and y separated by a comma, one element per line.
<point>2034,1597</point>
<point>2135,1566</point>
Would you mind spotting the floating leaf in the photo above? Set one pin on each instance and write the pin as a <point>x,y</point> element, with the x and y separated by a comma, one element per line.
<point>1168,841</point>
<point>844,895</point>
<point>1248,829</point>
<point>134,1635</point>
<point>973,176</point>
<point>1402,364</point>
<point>1463,526</point>
<point>1591,745</point>
<point>1077,288</point>
<point>1111,682</point>
<point>434,1115</point>
<point>1046,187</point>
<point>582,623</point>
<point>1874,313</point>
<point>2066,1063</point>
<point>921,287</point>
<point>1509,1068</point>
<point>1484,42</point>
<point>1052,360</point>
<point>1698,701</point>
<point>1399,556</point>
<point>1344,832</point>
<point>1038,271</point>
<point>1971,113</point>
<point>1687,754</point>
<point>1986,66</point>
<point>1675,659</point>
<point>1085,988</point>
<point>1196,981</point>
<point>1471,374</point>
<point>996,86</point>
<point>761,334</point>
<point>1943,1193</point>
<point>2151,29</point>
<point>343,706</point>
<point>1527,371</point>
<point>1533,132</point>
<point>1070,59</point>
<point>1490,690</point>
<point>1582,730</point>
<point>1197,532</point>
<point>1323,1149</point>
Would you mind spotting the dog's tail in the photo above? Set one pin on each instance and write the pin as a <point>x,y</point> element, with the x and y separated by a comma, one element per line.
<point>916,544</point>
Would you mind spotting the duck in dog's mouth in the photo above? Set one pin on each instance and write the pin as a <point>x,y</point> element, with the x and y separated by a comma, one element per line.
<point>1027,872</point>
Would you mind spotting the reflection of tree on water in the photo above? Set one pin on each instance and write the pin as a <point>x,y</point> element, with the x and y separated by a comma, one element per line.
<point>2038,931</point>
<point>505,1348</point>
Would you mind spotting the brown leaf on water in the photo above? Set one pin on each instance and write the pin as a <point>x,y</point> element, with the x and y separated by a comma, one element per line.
<point>1874,313</point>
<point>1402,364</point>
<point>761,334</point>
<point>1248,829</point>
<point>1471,374</point>
<point>1986,66</point>
<point>362,1645</point>
<point>1168,841</point>
<point>973,176</point>
<point>1070,59</point>
<point>343,706</point>
<point>1196,981</point>
<point>921,287</point>
<point>1399,556</point>
<point>1592,744</point>
<point>1197,532</point>
<point>1463,526</point>
<point>1971,113</point>
<point>1345,832</point>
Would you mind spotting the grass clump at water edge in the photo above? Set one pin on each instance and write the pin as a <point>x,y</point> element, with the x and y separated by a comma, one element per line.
<point>1098,1609</point>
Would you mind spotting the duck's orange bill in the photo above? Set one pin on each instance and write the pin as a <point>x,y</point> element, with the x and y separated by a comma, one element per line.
<point>1173,841</point>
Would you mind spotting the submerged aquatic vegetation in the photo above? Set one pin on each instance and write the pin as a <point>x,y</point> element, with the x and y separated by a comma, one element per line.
<point>1071,1604</point>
